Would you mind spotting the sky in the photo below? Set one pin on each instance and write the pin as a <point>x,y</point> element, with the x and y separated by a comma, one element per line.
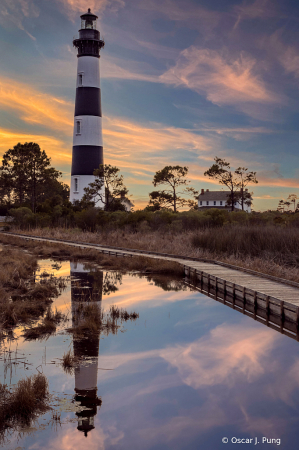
<point>182,81</point>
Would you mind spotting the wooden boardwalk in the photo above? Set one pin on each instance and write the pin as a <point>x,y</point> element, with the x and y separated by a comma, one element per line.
<point>271,299</point>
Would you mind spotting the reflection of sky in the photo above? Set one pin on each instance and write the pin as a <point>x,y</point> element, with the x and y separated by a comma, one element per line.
<point>182,82</point>
<point>188,372</point>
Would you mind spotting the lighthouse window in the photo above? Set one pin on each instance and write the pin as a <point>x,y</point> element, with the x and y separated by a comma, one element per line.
<point>76,184</point>
<point>80,79</point>
<point>78,127</point>
<point>89,23</point>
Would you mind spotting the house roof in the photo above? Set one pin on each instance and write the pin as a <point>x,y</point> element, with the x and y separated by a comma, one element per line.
<point>214,195</point>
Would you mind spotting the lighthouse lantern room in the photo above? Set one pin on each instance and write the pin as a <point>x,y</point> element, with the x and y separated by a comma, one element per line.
<point>87,138</point>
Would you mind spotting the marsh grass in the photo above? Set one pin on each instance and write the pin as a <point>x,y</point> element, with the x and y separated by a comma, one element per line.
<point>68,362</point>
<point>47,327</point>
<point>265,248</point>
<point>89,319</point>
<point>19,406</point>
<point>23,298</point>
<point>61,251</point>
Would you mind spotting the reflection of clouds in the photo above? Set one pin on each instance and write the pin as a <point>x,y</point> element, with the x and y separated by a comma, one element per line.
<point>68,439</point>
<point>262,425</point>
<point>217,366</point>
<point>225,351</point>
<point>135,292</point>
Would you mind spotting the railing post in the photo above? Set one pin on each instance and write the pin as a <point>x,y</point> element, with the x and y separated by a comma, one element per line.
<point>216,281</point>
<point>224,291</point>
<point>234,293</point>
<point>282,314</point>
<point>254,303</point>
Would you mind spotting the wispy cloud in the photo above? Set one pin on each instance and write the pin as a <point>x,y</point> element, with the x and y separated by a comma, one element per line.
<point>194,14</point>
<point>75,7</point>
<point>224,80</point>
<point>254,10</point>
<point>54,147</point>
<point>35,107</point>
<point>15,11</point>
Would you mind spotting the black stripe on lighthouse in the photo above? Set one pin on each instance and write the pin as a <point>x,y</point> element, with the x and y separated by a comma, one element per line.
<point>86,158</point>
<point>88,102</point>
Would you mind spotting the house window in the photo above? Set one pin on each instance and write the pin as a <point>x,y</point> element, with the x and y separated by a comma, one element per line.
<point>235,203</point>
<point>80,79</point>
<point>220,202</point>
<point>200,203</point>
<point>76,184</point>
<point>207,203</point>
<point>214,202</point>
<point>78,127</point>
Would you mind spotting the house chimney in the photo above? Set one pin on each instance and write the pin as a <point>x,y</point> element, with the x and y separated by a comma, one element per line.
<point>202,192</point>
<point>207,190</point>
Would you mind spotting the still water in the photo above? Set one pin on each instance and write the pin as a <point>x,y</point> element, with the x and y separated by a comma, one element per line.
<point>187,374</point>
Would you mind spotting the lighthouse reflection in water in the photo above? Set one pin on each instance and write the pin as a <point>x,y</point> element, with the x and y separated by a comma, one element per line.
<point>86,288</point>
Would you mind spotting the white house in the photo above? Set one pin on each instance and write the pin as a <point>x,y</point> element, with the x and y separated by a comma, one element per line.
<point>218,199</point>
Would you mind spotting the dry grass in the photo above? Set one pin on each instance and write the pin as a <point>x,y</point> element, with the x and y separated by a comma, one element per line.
<point>61,251</point>
<point>89,319</point>
<point>22,299</point>
<point>47,327</point>
<point>18,407</point>
<point>68,362</point>
<point>268,249</point>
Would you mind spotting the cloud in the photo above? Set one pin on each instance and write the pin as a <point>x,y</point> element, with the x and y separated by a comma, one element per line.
<point>114,68</point>
<point>14,11</point>
<point>287,55</point>
<point>55,148</point>
<point>128,136</point>
<point>258,9</point>
<point>224,80</point>
<point>35,107</point>
<point>194,14</point>
<point>73,8</point>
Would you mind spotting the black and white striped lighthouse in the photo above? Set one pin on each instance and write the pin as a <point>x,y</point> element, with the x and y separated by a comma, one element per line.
<point>87,139</point>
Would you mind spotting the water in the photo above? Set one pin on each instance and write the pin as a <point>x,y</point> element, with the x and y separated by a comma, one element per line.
<point>186,374</point>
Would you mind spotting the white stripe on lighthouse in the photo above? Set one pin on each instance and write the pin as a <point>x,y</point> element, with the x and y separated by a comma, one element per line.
<point>90,130</point>
<point>89,68</point>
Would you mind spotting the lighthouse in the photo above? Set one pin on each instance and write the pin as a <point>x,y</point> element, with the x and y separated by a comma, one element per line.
<point>87,138</point>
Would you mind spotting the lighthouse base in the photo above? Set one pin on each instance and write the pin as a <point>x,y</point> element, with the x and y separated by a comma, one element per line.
<point>78,183</point>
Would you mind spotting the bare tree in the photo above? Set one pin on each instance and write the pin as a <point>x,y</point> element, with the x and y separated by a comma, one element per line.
<point>107,189</point>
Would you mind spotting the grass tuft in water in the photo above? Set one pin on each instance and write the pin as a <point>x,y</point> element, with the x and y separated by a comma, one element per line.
<point>21,405</point>
<point>46,327</point>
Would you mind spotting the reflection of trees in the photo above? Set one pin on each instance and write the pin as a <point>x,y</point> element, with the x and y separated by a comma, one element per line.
<point>110,282</point>
<point>167,284</point>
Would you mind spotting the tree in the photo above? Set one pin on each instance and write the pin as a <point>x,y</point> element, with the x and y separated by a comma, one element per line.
<point>292,199</point>
<point>235,181</point>
<point>26,173</point>
<point>107,189</point>
<point>245,179</point>
<point>173,177</point>
<point>285,204</point>
<point>221,172</point>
